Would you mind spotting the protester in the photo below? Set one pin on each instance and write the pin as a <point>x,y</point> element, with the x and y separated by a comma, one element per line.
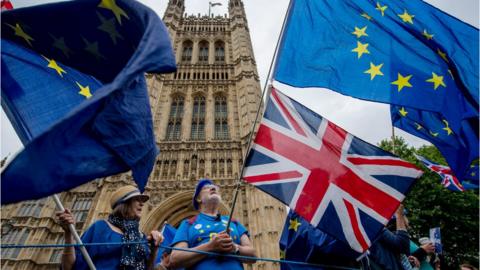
<point>385,252</point>
<point>121,226</point>
<point>206,232</point>
<point>425,254</point>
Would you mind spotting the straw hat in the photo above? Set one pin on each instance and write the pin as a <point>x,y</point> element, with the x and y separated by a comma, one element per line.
<point>125,193</point>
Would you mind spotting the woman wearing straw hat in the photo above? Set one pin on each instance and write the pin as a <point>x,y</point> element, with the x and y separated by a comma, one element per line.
<point>122,225</point>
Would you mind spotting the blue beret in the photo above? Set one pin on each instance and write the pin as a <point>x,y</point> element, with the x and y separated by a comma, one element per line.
<point>201,183</point>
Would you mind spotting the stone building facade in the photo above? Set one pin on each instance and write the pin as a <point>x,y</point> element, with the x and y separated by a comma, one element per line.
<point>202,118</point>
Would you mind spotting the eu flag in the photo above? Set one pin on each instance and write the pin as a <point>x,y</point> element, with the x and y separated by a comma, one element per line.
<point>73,87</point>
<point>458,146</point>
<point>168,235</point>
<point>301,242</point>
<point>405,53</point>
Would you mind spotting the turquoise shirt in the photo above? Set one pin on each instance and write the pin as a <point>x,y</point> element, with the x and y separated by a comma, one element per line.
<point>424,265</point>
<point>202,231</point>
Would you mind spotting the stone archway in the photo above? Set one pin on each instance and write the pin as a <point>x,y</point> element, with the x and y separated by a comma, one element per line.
<point>173,210</point>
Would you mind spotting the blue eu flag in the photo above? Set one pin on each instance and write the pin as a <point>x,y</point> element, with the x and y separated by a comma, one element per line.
<point>168,235</point>
<point>301,242</point>
<point>405,53</point>
<point>459,147</point>
<point>73,87</point>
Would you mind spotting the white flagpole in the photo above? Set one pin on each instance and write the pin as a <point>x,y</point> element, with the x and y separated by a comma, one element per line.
<point>85,254</point>
<point>269,79</point>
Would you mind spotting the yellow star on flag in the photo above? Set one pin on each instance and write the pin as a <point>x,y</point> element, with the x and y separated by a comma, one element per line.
<point>433,134</point>
<point>418,126</point>
<point>366,16</point>
<point>361,49</point>
<point>60,44</point>
<point>436,80</point>
<point>20,33</point>
<point>53,65</point>
<point>92,48</point>
<point>359,32</point>
<point>374,70</point>
<point>402,82</point>
<point>84,90</point>
<point>108,26</point>
<point>282,254</point>
<point>294,223</point>
<point>381,8</point>
<point>117,11</point>
<point>427,35</point>
<point>406,18</point>
<point>403,112</point>
<point>447,128</point>
<point>443,55</point>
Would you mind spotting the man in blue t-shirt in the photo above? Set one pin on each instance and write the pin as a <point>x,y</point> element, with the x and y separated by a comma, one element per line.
<point>206,232</point>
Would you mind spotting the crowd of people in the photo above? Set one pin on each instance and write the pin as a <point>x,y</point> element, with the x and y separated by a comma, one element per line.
<point>198,237</point>
<point>203,232</point>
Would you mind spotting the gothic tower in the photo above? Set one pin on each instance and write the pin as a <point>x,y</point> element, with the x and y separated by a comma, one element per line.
<point>202,119</point>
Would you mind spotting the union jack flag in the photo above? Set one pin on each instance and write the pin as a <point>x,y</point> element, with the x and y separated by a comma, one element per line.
<point>337,182</point>
<point>449,180</point>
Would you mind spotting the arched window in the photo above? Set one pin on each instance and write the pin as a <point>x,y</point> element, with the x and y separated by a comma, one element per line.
<point>187,51</point>
<point>221,118</point>
<point>201,168</point>
<point>186,168</point>
<point>221,167</point>
<point>80,209</point>
<point>194,164</point>
<point>229,167</point>
<point>198,119</point>
<point>175,120</point>
<point>165,169</point>
<point>214,167</point>
<point>203,51</point>
<point>173,169</point>
<point>219,51</point>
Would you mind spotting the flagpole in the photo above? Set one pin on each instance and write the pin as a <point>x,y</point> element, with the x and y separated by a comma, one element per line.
<point>75,235</point>
<point>252,130</point>
<point>85,254</point>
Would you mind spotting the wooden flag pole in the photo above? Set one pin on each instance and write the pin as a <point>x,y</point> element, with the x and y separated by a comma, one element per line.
<point>75,235</point>
<point>252,130</point>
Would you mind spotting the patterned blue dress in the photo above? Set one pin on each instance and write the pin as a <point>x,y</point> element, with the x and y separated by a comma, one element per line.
<point>105,257</point>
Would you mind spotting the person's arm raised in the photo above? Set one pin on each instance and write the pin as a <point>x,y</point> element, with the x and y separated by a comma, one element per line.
<point>68,257</point>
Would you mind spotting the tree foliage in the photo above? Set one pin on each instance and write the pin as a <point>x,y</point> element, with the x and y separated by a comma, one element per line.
<point>431,205</point>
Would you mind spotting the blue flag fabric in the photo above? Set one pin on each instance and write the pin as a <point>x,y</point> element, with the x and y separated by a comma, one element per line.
<point>73,87</point>
<point>401,52</point>
<point>168,236</point>
<point>405,53</point>
<point>301,242</point>
<point>458,146</point>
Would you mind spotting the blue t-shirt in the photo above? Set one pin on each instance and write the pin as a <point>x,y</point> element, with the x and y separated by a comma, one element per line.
<point>105,257</point>
<point>202,231</point>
